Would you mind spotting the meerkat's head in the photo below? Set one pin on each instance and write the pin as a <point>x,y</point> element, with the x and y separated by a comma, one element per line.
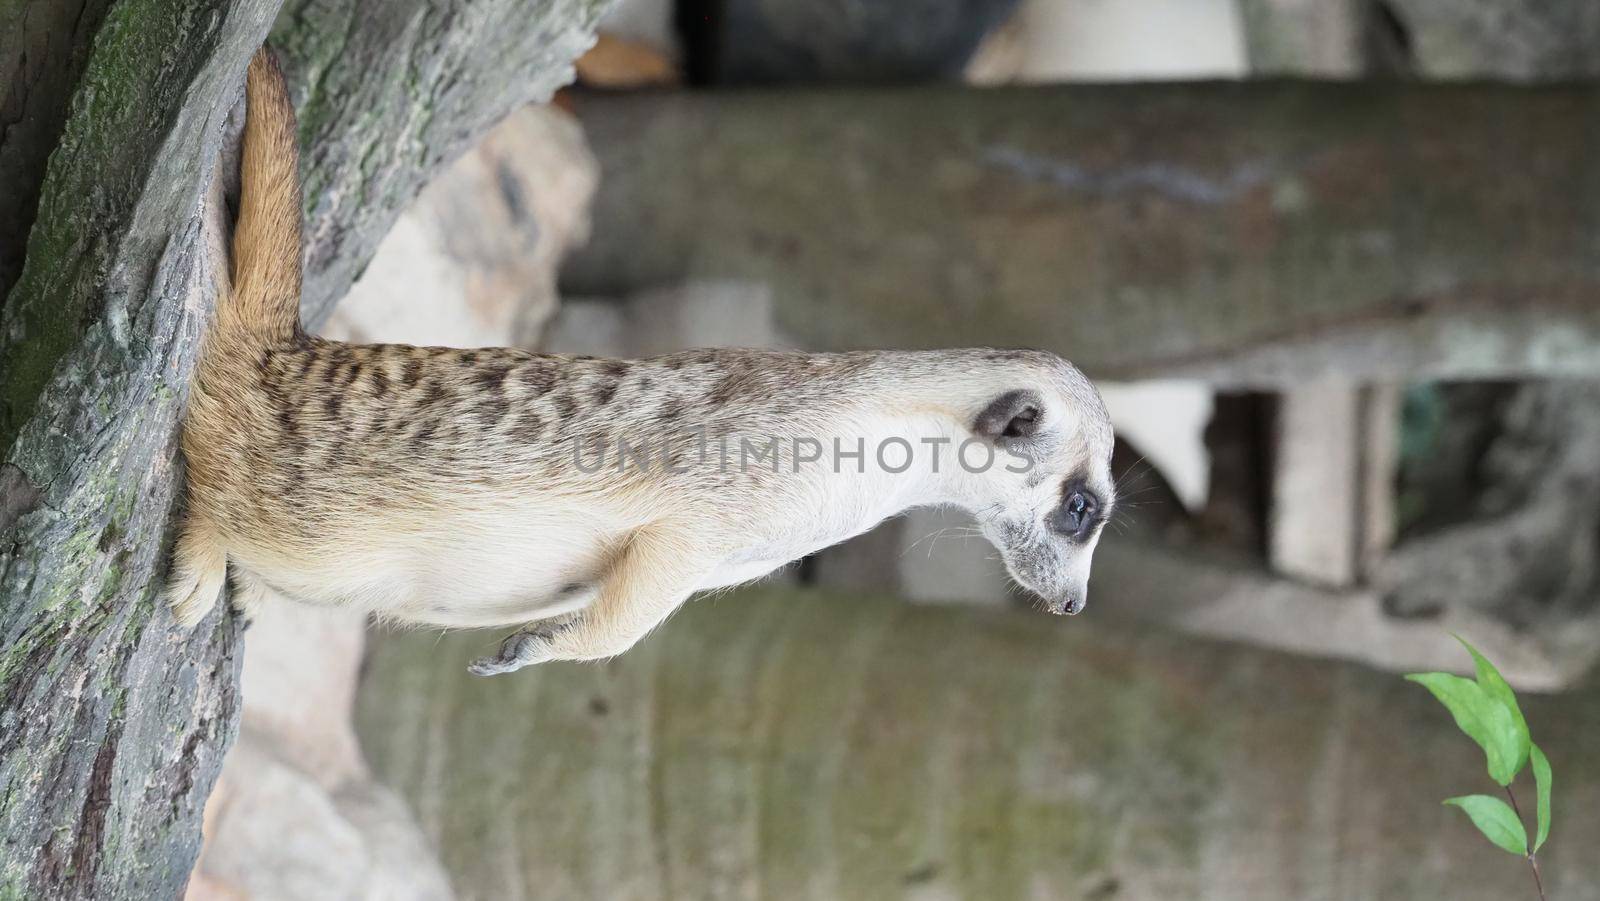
<point>1045,506</point>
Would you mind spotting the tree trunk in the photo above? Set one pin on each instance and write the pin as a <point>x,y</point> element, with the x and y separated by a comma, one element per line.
<point>1243,233</point>
<point>112,723</point>
<point>786,744</point>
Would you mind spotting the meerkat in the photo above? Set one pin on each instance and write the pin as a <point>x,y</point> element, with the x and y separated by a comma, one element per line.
<point>582,500</point>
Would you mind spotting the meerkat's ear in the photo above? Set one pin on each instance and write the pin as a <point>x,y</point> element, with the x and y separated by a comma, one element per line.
<point>1014,414</point>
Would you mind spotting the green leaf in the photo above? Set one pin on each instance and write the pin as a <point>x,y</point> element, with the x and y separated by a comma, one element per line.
<point>1495,819</point>
<point>1541,781</point>
<point>1482,717</point>
<point>1492,682</point>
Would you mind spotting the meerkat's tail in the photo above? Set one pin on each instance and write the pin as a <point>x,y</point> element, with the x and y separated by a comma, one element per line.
<point>263,306</point>
<point>266,240</point>
<point>199,569</point>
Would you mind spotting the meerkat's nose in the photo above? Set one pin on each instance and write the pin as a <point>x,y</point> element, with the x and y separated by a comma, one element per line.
<point>1073,604</point>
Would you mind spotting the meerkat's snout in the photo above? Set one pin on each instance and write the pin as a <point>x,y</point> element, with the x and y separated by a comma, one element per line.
<point>1075,597</point>
<point>1050,566</point>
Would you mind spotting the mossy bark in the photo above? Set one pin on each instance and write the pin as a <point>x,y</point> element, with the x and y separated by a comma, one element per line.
<point>113,723</point>
<point>1260,232</point>
<point>44,46</point>
<point>779,743</point>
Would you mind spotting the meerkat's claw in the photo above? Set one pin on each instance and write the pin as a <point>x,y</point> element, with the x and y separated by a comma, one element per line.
<point>519,650</point>
<point>492,666</point>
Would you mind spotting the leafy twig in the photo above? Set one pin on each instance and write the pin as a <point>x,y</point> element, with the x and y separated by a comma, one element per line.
<point>1486,710</point>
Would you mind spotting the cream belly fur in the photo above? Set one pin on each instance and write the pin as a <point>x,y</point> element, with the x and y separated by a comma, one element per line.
<point>464,488</point>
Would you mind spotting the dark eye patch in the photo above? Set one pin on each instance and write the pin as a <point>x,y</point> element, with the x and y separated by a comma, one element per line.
<point>1079,512</point>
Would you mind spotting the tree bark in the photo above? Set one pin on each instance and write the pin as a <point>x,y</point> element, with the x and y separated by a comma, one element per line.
<point>113,724</point>
<point>786,744</point>
<point>1255,233</point>
<point>44,45</point>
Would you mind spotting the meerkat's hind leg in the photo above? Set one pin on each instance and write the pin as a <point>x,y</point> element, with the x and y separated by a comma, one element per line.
<point>249,593</point>
<point>199,570</point>
<point>654,574</point>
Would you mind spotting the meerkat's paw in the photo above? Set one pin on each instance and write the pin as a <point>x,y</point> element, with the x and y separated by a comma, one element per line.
<point>524,648</point>
<point>199,569</point>
<point>191,600</point>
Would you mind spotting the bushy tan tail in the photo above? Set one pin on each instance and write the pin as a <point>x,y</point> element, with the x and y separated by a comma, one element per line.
<point>266,240</point>
<point>263,307</point>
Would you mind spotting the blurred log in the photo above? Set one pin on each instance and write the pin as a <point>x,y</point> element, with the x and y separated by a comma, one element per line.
<point>1253,233</point>
<point>784,744</point>
<point>1208,595</point>
<point>113,725</point>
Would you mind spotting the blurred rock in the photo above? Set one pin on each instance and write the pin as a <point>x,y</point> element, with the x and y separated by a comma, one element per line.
<point>473,261</point>
<point>1552,40</point>
<point>930,555</point>
<point>715,313</point>
<point>296,814</point>
<point>588,327</point>
<point>1207,594</point>
<point>763,41</point>
<point>301,664</point>
<point>865,563</point>
<point>1527,545</point>
<point>1556,40</point>
<point>275,832</point>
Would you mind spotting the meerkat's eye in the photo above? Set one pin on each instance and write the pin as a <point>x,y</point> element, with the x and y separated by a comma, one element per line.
<point>1078,514</point>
